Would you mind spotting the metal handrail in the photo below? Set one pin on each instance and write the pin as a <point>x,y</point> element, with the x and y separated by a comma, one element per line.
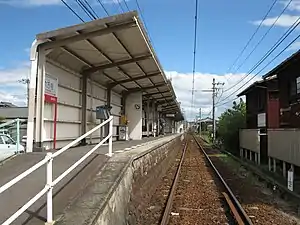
<point>50,183</point>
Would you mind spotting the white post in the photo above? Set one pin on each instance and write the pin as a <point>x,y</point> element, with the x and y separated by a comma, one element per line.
<point>258,160</point>
<point>290,181</point>
<point>255,157</point>
<point>269,162</point>
<point>250,155</point>
<point>274,165</point>
<point>18,135</point>
<point>110,138</point>
<point>49,184</point>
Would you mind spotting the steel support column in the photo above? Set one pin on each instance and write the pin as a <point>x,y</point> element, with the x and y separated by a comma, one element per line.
<point>39,110</point>
<point>148,117</point>
<point>84,83</point>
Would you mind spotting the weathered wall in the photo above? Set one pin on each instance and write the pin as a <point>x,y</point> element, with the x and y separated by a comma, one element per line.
<point>69,107</point>
<point>249,139</point>
<point>284,144</point>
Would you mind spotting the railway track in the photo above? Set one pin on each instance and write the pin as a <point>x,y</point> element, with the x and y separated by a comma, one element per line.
<point>199,194</point>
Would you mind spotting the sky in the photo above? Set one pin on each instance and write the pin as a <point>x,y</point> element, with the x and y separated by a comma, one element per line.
<point>224,28</point>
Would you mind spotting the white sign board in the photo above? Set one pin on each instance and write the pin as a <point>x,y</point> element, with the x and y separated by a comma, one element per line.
<point>51,85</point>
<point>290,181</point>
<point>170,115</point>
<point>261,120</point>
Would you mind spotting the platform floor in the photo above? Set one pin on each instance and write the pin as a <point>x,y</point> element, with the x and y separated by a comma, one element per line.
<point>65,191</point>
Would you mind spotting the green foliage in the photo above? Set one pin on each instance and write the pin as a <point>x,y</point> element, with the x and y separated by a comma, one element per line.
<point>229,124</point>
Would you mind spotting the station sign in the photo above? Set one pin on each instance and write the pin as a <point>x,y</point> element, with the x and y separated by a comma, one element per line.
<point>51,88</point>
<point>261,120</point>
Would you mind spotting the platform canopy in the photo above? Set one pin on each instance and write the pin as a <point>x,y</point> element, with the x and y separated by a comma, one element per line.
<point>114,51</point>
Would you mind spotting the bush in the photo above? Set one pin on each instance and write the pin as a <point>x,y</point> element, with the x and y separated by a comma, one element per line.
<point>230,122</point>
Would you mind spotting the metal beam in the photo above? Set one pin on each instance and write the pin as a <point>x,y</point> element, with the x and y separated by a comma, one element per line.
<point>146,88</point>
<point>135,78</point>
<point>165,102</point>
<point>83,36</point>
<point>155,93</point>
<point>117,64</point>
<point>164,97</point>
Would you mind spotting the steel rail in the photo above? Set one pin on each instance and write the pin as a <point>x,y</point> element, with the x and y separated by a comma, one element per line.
<point>167,211</point>
<point>245,220</point>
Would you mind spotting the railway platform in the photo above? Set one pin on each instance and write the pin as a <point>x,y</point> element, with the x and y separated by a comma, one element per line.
<point>65,192</point>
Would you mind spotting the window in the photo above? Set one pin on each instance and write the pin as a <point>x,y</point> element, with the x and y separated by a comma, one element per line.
<point>8,140</point>
<point>298,85</point>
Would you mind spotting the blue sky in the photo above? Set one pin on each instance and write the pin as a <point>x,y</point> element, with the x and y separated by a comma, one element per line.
<point>223,29</point>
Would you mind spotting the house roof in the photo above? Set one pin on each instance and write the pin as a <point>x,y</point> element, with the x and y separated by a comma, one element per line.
<point>282,65</point>
<point>251,87</point>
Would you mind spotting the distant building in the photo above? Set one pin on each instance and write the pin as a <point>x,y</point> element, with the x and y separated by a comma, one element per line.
<point>6,104</point>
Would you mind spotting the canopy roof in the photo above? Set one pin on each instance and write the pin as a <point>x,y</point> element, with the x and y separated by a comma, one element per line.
<point>114,51</point>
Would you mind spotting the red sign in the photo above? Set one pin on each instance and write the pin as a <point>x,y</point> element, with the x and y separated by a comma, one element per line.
<point>50,98</point>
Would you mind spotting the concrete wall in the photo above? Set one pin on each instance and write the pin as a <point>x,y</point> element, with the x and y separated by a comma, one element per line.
<point>69,107</point>
<point>284,144</point>
<point>249,139</point>
<point>134,115</point>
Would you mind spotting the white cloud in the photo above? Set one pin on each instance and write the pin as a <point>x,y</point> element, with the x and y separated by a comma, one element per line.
<point>284,21</point>
<point>294,5</point>
<point>10,89</point>
<point>295,46</point>
<point>30,2</point>
<point>182,83</point>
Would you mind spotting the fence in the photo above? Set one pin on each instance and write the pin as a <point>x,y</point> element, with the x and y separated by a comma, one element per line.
<point>14,129</point>
<point>284,144</point>
<point>50,183</point>
<point>249,139</point>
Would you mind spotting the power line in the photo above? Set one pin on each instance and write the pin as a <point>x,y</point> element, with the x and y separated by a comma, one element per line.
<point>103,7</point>
<point>91,8</point>
<point>194,52</point>
<point>251,38</point>
<point>143,19</point>
<point>283,50</point>
<point>125,2</point>
<point>83,7</point>
<point>121,6</point>
<point>269,52</point>
<point>72,10</point>
<point>263,37</point>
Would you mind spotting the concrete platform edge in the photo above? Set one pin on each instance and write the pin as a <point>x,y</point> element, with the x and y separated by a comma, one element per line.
<point>115,197</point>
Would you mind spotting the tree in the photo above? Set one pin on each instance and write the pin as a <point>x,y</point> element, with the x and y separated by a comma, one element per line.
<point>230,122</point>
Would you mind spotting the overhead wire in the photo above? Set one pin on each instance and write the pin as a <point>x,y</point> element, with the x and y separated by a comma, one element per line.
<point>143,19</point>
<point>91,8</point>
<point>125,2</point>
<point>283,50</point>
<point>194,51</point>
<point>268,53</point>
<point>272,49</point>
<point>103,7</point>
<point>264,36</point>
<point>252,36</point>
<point>84,8</point>
<point>72,10</point>
<point>121,7</point>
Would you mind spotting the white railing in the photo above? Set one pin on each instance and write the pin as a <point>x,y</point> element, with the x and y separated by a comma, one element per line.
<point>50,183</point>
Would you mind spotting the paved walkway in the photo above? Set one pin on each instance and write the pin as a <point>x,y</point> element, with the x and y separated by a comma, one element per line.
<point>64,192</point>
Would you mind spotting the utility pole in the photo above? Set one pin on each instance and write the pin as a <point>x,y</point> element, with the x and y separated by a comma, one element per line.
<point>200,121</point>
<point>214,95</point>
<point>27,82</point>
